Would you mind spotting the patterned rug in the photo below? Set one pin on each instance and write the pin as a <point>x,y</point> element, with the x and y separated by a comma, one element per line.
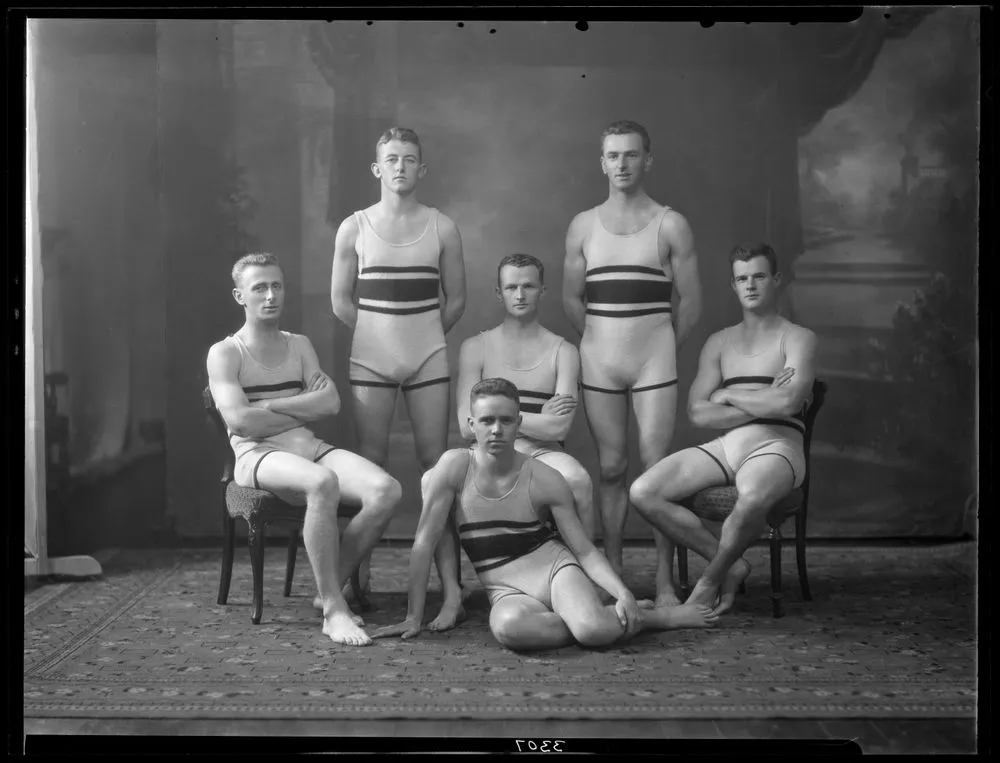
<point>890,634</point>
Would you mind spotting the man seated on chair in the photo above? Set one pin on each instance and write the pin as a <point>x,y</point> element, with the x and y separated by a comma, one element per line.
<point>540,583</point>
<point>268,386</point>
<point>754,380</point>
<point>543,366</point>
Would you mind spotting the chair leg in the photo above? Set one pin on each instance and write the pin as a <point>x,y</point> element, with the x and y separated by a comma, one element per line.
<point>228,541</point>
<point>682,568</point>
<point>256,538</point>
<point>363,604</point>
<point>800,556</point>
<point>774,535</point>
<point>293,547</point>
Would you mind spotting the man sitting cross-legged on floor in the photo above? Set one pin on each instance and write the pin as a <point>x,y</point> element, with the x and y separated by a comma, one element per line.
<point>268,386</point>
<point>540,584</point>
<point>754,379</point>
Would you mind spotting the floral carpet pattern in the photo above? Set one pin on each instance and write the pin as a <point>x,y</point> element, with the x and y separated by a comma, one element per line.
<point>890,634</point>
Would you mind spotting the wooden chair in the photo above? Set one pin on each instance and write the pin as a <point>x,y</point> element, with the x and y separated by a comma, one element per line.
<point>716,503</point>
<point>259,508</point>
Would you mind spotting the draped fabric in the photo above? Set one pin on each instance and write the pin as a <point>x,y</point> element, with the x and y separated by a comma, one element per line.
<point>790,77</point>
<point>100,250</point>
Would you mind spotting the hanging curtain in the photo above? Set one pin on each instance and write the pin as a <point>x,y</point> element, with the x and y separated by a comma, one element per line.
<point>100,245</point>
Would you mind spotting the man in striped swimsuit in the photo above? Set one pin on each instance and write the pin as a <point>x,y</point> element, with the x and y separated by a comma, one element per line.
<point>541,585</point>
<point>268,386</point>
<point>543,366</point>
<point>630,287</point>
<point>754,380</point>
<point>399,283</point>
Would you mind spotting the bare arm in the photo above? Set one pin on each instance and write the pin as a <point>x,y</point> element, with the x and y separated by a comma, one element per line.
<point>575,274</point>
<point>556,418</point>
<point>548,488</point>
<point>701,411</point>
<point>345,273</point>
<point>242,418</point>
<point>319,398</point>
<point>452,273</point>
<point>439,488</point>
<point>676,235</point>
<point>786,399</point>
<point>470,371</point>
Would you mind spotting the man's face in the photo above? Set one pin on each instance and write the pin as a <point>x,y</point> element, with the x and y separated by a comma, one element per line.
<point>624,161</point>
<point>398,166</point>
<point>520,289</point>
<point>494,421</point>
<point>261,292</point>
<point>754,283</point>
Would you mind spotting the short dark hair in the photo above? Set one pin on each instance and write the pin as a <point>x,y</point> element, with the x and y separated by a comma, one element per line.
<point>746,252</point>
<point>260,259</point>
<point>626,127</point>
<point>402,134</point>
<point>492,387</point>
<point>521,261</point>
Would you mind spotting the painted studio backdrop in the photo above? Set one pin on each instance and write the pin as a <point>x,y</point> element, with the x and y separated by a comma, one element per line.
<point>168,149</point>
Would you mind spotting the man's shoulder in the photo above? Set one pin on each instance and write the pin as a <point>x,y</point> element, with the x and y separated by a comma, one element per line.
<point>475,341</point>
<point>672,220</point>
<point>801,333</point>
<point>582,219</point>
<point>223,349</point>
<point>453,464</point>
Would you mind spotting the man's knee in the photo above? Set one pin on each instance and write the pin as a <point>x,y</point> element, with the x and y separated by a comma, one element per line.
<point>580,485</point>
<point>593,633</point>
<point>385,493</point>
<point>324,485</point>
<point>643,493</point>
<point>754,499</point>
<point>507,629</point>
<point>613,467</point>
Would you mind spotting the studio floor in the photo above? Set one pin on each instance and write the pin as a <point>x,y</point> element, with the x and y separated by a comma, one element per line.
<point>885,655</point>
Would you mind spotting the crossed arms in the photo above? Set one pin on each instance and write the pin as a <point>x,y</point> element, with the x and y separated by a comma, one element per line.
<point>265,418</point>
<point>714,407</point>
<point>556,418</point>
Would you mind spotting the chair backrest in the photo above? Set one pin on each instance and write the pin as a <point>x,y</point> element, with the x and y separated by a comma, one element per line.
<point>219,425</point>
<point>818,397</point>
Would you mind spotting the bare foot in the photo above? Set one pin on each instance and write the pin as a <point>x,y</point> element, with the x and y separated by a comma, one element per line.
<point>340,627</point>
<point>704,594</point>
<point>646,604</point>
<point>667,598</point>
<point>736,575</point>
<point>690,616</point>
<point>449,616</point>
<point>318,604</point>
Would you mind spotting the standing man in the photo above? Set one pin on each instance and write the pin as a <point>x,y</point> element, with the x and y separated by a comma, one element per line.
<point>754,380</point>
<point>630,287</point>
<point>267,385</point>
<point>543,366</point>
<point>399,282</point>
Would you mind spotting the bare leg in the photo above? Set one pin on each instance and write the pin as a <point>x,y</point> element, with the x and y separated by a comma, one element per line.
<point>364,483</point>
<point>655,416</point>
<point>428,408</point>
<point>580,485</point>
<point>373,409</point>
<point>522,623</point>
<point>607,416</point>
<point>761,482</point>
<point>292,477</point>
<point>574,599</point>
